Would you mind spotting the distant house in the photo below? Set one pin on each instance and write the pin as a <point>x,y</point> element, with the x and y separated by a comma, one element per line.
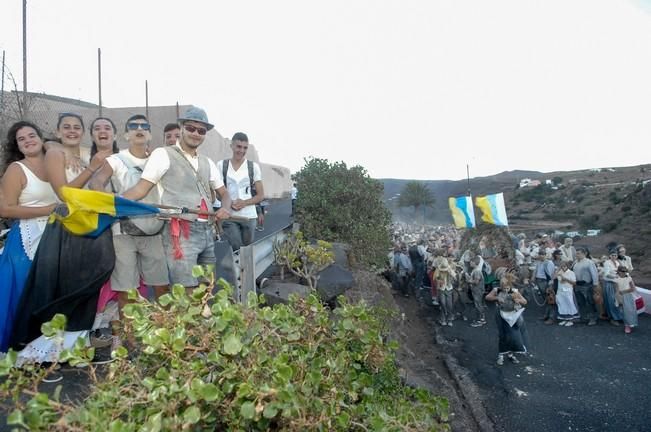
<point>592,232</point>
<point>527,182</point>
<point>549,182</point>
<point>573,234</point>
<point>595,169</point>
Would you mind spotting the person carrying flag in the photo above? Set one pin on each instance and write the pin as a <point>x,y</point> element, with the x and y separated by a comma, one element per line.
<point>185,179</point>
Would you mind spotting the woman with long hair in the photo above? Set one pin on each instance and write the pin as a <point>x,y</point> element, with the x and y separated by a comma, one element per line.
<point>28,199</point>
<point>68,271</point>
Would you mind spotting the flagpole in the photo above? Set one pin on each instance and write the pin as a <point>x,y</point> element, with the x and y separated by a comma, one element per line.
<point>468,177</point>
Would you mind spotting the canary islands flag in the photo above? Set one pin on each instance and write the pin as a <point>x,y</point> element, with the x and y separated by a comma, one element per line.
<point>493,209</point>
<point>91,212</point>
<point>463,212</point>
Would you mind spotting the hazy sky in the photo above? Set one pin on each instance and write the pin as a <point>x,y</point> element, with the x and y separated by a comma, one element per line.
<point>408,89</point>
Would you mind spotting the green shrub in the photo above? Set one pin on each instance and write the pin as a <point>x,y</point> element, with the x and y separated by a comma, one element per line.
<point>208,363</point>
<point>341,204</point>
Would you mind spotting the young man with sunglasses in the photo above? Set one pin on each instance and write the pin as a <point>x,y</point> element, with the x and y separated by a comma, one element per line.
<point>189,180</point>
<point>243,180</point>
<point>138,243</point>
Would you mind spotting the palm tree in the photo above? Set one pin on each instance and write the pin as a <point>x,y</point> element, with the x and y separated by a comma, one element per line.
<point>416,194</point>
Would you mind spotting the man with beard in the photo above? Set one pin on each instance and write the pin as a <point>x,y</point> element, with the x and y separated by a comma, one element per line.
<point>185,179</point>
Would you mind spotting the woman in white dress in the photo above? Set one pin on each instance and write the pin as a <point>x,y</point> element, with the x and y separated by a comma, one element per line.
<point>68,271</point>
<point>28,199</point>
<point>567,310</point>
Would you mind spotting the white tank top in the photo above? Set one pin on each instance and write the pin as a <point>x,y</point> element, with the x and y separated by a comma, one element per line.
<point>37,193</point>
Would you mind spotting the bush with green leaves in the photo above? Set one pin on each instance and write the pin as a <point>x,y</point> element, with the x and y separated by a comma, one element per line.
<point>302,258</point>
<point>208,363</point>
<point>341,204</point>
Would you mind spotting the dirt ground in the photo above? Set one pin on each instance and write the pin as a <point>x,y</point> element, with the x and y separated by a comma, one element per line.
<point>422,356</point>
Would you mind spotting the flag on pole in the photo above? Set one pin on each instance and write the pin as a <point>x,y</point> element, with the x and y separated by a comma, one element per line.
<point>463,212</point>
<point>493,209</point>
<point>91,212</point>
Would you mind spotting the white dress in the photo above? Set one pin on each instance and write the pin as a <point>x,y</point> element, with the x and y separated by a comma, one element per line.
<point>565,297</point>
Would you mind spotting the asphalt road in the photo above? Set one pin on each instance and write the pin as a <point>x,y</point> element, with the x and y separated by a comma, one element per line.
<point>577,378</point>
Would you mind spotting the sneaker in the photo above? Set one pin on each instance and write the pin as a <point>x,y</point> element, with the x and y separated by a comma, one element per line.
<point>435,302</point>
<point>592,322</point>
<point>569,324</point>
<point>627,329</point>
<point>443,322</point>
<point>562,323</point>
<point>615,323</point>
<point>478,323</point>
<point>259,228</point>
<point>98,339</point>
<point>449,323</point>
<point>513,359</point>
<point>500,360</point>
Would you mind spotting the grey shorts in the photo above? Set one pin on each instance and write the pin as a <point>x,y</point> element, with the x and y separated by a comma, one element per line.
<point>135,257</point>
<point>198,248</point>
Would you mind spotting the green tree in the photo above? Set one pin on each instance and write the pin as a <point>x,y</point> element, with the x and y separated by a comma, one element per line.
<point>416,194</point>
<point>341,204</point>
<point>557,180</point>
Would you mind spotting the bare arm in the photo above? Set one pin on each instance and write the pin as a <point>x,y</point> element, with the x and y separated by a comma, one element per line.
<point>55,166</point>
<point>259,196</point>
<point>13,183</point>
<point>225,198</point>
<point>492,296</point>
<point>139,190</point>
<point>518,298</point>
<point>101,178</point>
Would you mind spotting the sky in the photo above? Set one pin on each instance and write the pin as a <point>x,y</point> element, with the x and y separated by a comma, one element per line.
<point>407,89</point>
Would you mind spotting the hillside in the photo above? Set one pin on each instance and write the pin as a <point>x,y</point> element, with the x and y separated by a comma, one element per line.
<point>616,201</point>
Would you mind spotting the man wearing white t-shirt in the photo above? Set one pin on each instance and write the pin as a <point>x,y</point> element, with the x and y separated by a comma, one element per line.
<point>189,180</point>
<point>138,248</point>
<point>243,180</point>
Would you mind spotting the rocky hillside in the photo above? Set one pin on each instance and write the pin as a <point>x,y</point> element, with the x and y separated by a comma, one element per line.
<point>616,201</point>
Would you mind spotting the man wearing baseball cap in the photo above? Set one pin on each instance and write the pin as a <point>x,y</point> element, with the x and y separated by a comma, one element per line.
<point>185,179</point>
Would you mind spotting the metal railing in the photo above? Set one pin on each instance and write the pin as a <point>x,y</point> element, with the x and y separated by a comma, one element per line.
<point>251,261</point>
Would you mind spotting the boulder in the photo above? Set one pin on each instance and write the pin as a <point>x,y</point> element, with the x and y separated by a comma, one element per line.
<point>276,292</point>
<point>341,254</point>
<point>334,281</point>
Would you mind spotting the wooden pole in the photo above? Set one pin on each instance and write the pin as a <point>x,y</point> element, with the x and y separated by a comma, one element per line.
<point>2,86</point>
<point>146,99</point>
<point>99,78</point>
<point>24,47</point>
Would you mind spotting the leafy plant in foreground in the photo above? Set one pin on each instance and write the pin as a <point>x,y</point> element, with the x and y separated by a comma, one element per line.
<point>208,363</point>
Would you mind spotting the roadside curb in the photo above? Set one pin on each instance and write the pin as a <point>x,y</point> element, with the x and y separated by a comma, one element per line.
<point>465,386</point>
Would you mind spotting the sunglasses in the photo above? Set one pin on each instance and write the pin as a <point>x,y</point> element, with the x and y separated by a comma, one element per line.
<point>192,129</point>
<point>135,126</point>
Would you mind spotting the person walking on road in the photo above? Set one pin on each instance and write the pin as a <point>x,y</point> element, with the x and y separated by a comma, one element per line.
<point>610,288</point>
<point>512,333</point>
<point>625,298</point>
<point>567,311</point>
<point>587,278</point>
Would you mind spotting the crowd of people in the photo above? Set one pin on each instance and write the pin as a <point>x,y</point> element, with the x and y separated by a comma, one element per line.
<point>456,275</point>
<point>46,270</point>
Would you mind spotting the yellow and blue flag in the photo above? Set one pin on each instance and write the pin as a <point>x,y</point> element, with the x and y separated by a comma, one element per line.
<point>493,209</point>
<point>91,212</point>
<point>463,212</point>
